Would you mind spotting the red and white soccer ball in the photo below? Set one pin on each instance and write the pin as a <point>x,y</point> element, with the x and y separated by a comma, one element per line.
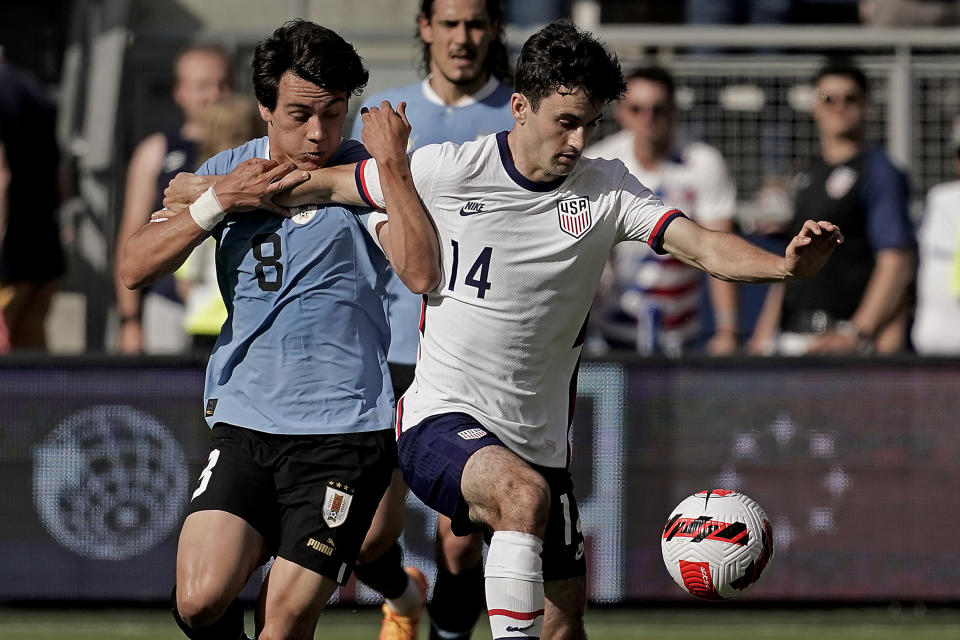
<point>717,543</point>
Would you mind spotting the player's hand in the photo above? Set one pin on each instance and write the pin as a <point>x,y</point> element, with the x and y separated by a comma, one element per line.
<point>385,133</point>
<point>811,248</point>
<point>184,189</point>
<point>253,184</point>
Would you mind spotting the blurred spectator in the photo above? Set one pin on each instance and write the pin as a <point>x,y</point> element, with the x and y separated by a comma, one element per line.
<point>226,123</point>
<point>152,321</point>
<point>858,303</point>
<point>31,257</point>
<point>936,329</point>
<point>910,13</point>
<point>718,12</point>
<point>651,302</point>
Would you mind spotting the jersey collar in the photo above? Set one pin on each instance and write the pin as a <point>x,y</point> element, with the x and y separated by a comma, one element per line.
<point>515,174</point>
<point>481,94</point>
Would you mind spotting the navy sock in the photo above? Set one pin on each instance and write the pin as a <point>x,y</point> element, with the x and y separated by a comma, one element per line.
<point>385,574</point>
<point>457,603</point>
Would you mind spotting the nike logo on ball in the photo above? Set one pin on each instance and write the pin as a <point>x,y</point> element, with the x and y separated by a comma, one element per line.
<point>471,208</point>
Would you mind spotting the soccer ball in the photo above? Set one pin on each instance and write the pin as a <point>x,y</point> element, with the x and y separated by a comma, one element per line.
<point>717,543</point>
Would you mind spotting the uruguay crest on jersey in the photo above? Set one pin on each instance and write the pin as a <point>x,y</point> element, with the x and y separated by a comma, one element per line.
<point>336,504</point>
<point>574,216</point>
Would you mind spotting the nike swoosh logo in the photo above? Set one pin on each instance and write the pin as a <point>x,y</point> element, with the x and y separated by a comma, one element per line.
<point>472,209</point>
<point>517,629</point>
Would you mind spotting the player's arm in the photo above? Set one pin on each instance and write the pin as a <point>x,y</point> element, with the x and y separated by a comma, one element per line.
<point>408,237</point>
<point>139,196</point>
<point>163,244</point>
<point>730,257</point>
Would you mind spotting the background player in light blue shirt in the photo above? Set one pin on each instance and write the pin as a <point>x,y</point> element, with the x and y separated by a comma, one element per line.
<point>464,96</point>
<point>297,390</point>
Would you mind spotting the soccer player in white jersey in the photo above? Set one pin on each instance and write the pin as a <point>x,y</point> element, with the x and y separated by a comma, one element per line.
<point>464,96</point>
<point>691,176</point>
<point>525,226</point>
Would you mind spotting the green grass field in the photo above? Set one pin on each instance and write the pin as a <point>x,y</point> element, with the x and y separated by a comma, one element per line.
<point>620,624</point>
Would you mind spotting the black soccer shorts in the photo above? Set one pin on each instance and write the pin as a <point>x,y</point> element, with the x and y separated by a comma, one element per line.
<point>312,498</point>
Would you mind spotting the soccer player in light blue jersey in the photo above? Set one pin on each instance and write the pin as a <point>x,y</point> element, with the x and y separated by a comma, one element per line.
<point>465,95</point>
<point>297,390</point>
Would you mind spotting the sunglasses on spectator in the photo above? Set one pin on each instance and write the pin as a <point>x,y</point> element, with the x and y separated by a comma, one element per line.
<point>832,99</point>
<point>656,110</point>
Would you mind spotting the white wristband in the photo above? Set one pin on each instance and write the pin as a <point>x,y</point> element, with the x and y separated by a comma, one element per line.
<point>206,210</point>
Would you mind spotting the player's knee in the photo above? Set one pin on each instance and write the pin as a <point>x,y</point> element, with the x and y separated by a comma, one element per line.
<point>526,505</point>
<point>460,553</point>
<point>199,606</point>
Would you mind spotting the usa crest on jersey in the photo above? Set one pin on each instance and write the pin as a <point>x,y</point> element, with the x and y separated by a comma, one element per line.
<point>574,216</point>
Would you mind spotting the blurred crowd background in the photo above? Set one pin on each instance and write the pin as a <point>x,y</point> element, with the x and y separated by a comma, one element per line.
<point>103,101</point>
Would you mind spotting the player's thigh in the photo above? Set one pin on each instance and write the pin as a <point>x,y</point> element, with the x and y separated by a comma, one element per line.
<point>565,605</point>
<point>329,487</point>
<point>504,492</point>
<point>457,553</point>
<point>216,554</point>
<point>291,600</point>
<point>387,522</point>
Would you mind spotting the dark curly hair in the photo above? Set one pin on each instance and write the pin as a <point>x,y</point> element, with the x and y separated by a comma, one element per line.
<point>311,52</point>
<point>497,63</point>
<point>561,55</point>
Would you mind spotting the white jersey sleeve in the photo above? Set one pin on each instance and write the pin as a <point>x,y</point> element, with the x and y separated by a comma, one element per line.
<point>425,162</point>
<point>641,215</point>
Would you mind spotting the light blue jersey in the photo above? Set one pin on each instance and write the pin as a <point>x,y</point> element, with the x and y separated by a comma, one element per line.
<point>303,349</point>
<point>433,122</point>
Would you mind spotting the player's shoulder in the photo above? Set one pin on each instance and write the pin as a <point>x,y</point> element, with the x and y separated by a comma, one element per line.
<point>348,152</point>
<point>601,171</point>
<point>227,160</point>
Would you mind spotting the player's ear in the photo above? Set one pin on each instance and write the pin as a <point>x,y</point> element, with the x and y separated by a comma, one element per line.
<point>519,107</point>
<point>265,114</point>
<point>426,30</point>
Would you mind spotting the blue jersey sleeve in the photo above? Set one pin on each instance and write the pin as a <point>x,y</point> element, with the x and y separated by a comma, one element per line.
<point>886,194</point>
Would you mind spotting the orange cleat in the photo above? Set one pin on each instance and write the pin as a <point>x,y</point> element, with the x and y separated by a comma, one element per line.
<point>398,627</point>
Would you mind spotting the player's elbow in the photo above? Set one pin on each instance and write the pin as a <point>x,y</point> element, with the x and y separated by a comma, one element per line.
<point>133,274</point>
<point>423,282</point>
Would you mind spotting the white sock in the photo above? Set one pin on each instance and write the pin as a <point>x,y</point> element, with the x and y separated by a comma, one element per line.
<point>514,585</point>
<point>408,601</point>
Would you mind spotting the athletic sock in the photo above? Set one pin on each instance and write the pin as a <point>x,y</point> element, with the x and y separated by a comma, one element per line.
<point>228,627</point>
<point>457,602</point>
<point>385,574</point>
<point>514,585</point>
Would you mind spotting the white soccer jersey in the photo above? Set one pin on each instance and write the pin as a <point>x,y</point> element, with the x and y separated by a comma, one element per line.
<point>501,334</point>
<point>695,179</point>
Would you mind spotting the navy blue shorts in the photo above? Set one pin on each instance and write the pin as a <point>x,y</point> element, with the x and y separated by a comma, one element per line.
<point>432,457</point>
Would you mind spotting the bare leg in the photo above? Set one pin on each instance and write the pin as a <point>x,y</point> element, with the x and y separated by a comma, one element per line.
<point>508,496</point>
<point>291,601</point>
<point>566,602</point>
<point>216,554</point>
